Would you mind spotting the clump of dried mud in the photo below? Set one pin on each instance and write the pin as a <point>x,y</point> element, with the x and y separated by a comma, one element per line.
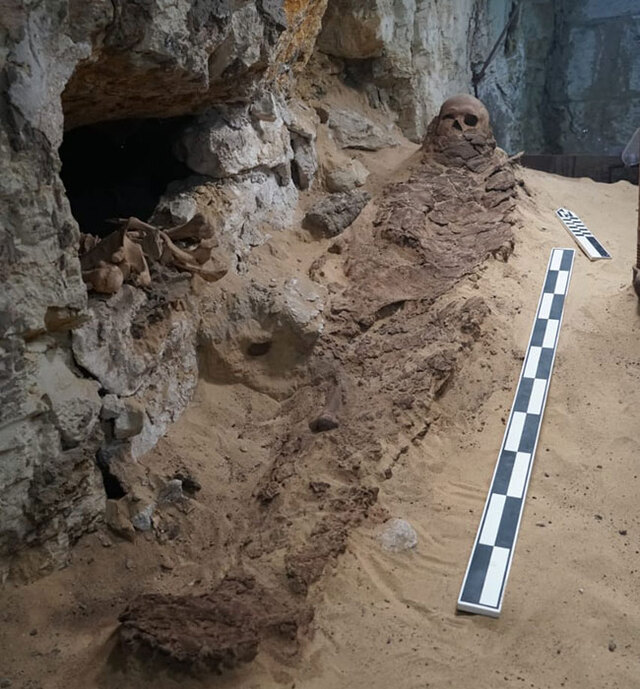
<point>214,631</point>
<point>392,342</point>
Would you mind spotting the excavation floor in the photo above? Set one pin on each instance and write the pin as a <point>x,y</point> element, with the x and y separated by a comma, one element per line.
<point>572,605</point>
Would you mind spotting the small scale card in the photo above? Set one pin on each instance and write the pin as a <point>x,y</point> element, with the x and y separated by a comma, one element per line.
<point>580,232</point>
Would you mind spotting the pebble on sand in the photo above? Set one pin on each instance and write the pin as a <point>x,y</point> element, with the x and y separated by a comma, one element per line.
<point>398,535</point>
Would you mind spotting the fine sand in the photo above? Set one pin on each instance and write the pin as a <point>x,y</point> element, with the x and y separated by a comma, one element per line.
<point>571,612</point>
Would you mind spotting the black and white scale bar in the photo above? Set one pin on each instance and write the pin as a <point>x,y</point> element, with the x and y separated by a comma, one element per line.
<point>580,232</point>
<point>486,576</point>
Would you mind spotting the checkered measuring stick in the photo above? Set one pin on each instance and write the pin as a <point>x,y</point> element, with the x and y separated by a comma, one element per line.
<point>488,569</point>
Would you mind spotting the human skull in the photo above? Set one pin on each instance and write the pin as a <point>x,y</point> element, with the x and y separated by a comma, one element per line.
<point>463,113</point>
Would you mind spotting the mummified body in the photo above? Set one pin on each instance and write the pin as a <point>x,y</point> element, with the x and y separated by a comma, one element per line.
<point>367,388</point>
<point>452,212</point>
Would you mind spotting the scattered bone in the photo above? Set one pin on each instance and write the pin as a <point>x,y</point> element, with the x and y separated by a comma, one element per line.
<point>125,254</point>
<point>105,279</point>
<point>196,229</point>
<point>190,260</point>
<point>119,250</point>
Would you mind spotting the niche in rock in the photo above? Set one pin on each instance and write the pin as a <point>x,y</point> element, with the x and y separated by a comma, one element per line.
<point>119,169</point>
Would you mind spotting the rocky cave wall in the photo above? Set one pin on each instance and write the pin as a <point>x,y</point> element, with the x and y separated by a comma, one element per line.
<point>66,63</point>
<point>567,77</point>
<point>409,55</point>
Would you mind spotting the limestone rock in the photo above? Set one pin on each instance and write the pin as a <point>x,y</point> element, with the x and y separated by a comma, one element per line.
<point>114,346</point>
<point>117,519</point>
<point>176,58</point>
<point>356,30</point>
<point>127,415</point>
<point>243,209</point>
<point>169,388</point>
<point>397,536</point>
<point>334,213</point>
<point>143,520</point>
<point>305,161</point>
<point>112,407</point>
<point>74,401</point>
<point>235,139</point>
<point>62,62</point>
<point>354,130</point>
<point>48,439</point>
<point>105,345</point>
<point>353,174</point>
<point>303,123</point>
<point>407,56</point>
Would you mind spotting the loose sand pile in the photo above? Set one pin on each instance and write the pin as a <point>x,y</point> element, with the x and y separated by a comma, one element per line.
<point>388,619</point>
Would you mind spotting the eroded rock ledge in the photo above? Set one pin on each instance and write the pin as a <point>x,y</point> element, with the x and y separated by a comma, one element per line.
<point>65,64</point>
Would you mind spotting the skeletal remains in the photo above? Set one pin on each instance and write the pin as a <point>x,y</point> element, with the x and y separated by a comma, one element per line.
<point>462,113</point>
<point>124,255</point>
<point>460,132</point>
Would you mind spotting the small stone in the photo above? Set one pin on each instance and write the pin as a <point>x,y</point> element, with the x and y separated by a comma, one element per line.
<point>104,542</point>
<point>580,590</point>
<point>305,161</point>
<point>143,521</point>
<point>334,213</point>
<point>172,491</point>
<point>347,177</point>
<point>324,422</point>
<point>112,406</point>
<point>322,112</point>
<point>33,632</point>
<point>622,532</point>
<point>398,535</point>
<point>612,646</point>
<point>319,487</point>
<point>117,519</point>
<point>130,421</point>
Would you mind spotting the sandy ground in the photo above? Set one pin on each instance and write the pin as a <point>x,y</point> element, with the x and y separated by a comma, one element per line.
<point>572,608</point>
<point>390,620</point>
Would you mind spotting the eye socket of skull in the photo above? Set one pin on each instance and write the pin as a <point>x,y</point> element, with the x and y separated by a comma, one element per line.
<point>464,112</point>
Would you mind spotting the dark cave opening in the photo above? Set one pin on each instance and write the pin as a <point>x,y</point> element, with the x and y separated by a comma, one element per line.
<point>119,169</point>
<point>113,489</point>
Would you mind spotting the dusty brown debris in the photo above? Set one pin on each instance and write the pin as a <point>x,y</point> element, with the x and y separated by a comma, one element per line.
<point>214,631</point>
<point>392,343</point>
